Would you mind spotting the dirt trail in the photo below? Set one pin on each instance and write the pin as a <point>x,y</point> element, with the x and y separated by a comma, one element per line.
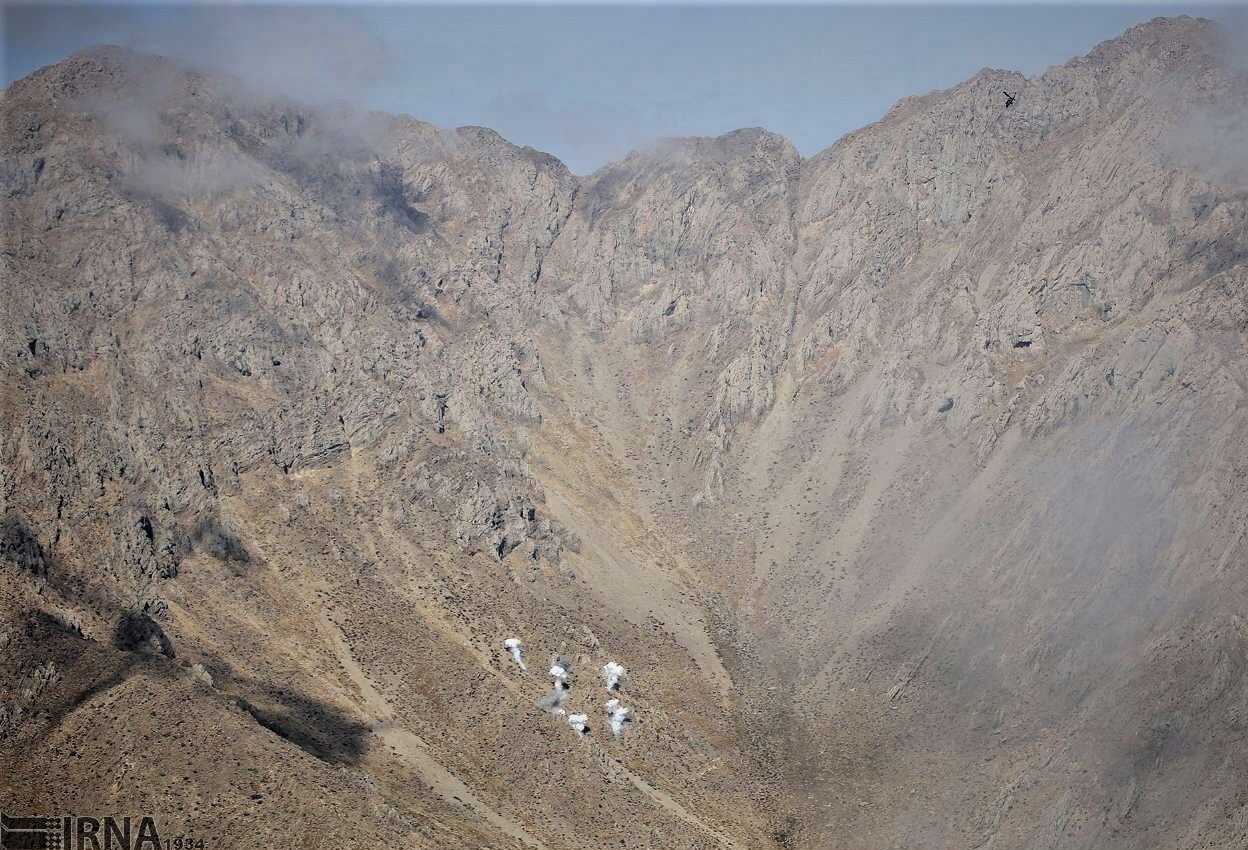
<point>665,801</point>
<point>411,747</point>
<point>415,751</point>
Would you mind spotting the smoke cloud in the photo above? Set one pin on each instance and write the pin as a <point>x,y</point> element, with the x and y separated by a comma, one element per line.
<point>554,701</point>
<point>516,650</point>
<point>613,673</point>
<point>561,672</point>
<point>617,716</point>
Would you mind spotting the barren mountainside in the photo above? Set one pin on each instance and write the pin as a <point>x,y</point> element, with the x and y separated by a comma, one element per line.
<point>909,481</point>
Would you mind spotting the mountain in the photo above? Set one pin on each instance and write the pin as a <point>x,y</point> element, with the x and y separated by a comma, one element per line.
<point>908,481</point>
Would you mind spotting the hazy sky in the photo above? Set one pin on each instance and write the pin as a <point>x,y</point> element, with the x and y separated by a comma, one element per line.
<point>587,83</point>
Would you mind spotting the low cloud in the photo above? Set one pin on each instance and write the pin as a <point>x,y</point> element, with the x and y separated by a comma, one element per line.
<point>172,154</point>
<point>1210,136</point>
<point>1233,37</point>
<point>1213,142</point>
<point>176,177</point>
<point>153,162</point>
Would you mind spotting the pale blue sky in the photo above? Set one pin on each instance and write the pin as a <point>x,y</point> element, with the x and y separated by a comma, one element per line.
<point>588,83</point>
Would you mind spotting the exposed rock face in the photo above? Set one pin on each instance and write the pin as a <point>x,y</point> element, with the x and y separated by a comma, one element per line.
<point>909,481</point>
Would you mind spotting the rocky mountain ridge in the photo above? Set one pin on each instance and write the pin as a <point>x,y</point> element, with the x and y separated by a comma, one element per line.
<point>906,479</point>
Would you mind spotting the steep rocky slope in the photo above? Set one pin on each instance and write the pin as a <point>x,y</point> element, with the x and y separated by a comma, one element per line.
<point>908,480</point>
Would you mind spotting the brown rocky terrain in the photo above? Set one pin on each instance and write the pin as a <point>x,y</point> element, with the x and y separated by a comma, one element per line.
<point>909,480</point>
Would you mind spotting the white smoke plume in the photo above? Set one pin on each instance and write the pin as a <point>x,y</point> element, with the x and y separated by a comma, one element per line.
<point>613,672</point>
<point>554,701</point>
<point>579,722</point>
<point>516,649</point>
<point>618,715</point>
<point>561,672</point>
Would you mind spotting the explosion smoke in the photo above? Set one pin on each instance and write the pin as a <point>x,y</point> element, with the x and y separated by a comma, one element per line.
<point>553,701</point>
<point>561,671</point>
<point>618,715</point>
<point>516,649</point>
<point>614,673</point>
